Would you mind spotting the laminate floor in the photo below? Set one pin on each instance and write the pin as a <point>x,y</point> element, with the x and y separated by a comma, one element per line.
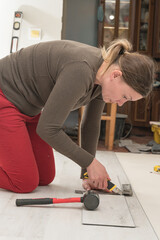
<point>145,182</point>
<point>64,221</point>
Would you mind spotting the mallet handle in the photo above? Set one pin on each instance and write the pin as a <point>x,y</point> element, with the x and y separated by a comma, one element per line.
<point>39,201</point>
<point>67,200</point>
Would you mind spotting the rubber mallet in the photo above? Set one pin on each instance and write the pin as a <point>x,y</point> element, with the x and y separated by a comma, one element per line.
<point>90,200</point>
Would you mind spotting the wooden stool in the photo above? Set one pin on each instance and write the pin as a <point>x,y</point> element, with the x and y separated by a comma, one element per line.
<point>110,118</point>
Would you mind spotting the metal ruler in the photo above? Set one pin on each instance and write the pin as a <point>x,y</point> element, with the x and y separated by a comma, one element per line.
<point>16,31</point>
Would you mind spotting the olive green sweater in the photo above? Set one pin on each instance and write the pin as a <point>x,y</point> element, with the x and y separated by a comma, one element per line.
<point>56,78</point>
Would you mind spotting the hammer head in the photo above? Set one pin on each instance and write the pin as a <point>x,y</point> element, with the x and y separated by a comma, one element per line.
<point>90,200</point>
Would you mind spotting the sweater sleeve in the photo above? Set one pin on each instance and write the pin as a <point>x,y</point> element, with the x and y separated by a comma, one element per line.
<point>90,127</point>
<point>73,83</point>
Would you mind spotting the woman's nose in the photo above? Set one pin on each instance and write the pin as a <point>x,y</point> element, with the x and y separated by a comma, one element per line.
<point>121,102</point>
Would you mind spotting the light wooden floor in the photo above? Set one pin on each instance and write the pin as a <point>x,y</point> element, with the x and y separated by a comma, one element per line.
<point>64,221</point>
<point>145,182</point>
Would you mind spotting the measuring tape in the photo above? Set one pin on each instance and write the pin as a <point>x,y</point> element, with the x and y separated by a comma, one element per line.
<point>16,31</point>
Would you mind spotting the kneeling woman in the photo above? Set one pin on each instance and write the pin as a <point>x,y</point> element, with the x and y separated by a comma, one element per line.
<point>40,85</point>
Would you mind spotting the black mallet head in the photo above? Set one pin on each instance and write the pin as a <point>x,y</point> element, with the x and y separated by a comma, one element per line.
<point>90,200</point>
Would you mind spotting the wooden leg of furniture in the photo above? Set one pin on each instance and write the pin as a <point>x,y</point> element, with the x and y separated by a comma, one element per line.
<point>110,127</point>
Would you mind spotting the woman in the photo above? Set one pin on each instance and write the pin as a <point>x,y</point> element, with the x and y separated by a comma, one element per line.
<point>59,77</point>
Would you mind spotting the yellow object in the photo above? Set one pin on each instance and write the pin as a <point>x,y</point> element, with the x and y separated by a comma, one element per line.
<point>111,186</point>
<point>35,34</point>
<point>157,168</point>
<point>156,130</point>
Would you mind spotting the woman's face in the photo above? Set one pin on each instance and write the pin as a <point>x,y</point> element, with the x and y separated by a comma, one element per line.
<point>115,90</point>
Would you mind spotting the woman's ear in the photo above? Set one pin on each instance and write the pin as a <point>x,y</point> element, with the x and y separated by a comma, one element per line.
<point>115,74</point>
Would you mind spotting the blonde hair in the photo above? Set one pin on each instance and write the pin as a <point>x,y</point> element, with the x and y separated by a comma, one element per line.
<point>137,70</point>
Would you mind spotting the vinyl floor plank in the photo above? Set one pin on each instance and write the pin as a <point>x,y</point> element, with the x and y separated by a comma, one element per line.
<point>113,211</point>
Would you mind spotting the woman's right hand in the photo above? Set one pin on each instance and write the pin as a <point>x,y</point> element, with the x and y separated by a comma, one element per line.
<point>97,175</point>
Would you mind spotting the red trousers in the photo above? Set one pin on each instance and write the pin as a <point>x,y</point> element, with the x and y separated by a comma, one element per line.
<point>26,161</point>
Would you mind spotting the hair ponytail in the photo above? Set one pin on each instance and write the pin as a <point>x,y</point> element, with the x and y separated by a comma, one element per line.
<point>115,49</point>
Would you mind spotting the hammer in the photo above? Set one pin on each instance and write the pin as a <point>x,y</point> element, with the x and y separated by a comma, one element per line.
<point>90,200</point>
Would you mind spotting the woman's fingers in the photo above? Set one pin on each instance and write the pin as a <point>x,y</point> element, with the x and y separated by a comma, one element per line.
<point>91,185</point>
<point>86,185</point>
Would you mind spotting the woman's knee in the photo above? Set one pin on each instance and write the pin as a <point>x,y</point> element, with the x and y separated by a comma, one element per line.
<point>26,185</point>
<point>47,180</point>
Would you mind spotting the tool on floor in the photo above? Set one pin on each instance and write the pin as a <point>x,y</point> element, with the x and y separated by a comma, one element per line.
<point>111,186</point>
<point>157,168</point>
<point>90,200</point>
<point>127,190</point>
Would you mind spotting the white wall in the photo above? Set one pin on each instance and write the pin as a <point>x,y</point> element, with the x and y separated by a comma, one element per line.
<point>44,14</point>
